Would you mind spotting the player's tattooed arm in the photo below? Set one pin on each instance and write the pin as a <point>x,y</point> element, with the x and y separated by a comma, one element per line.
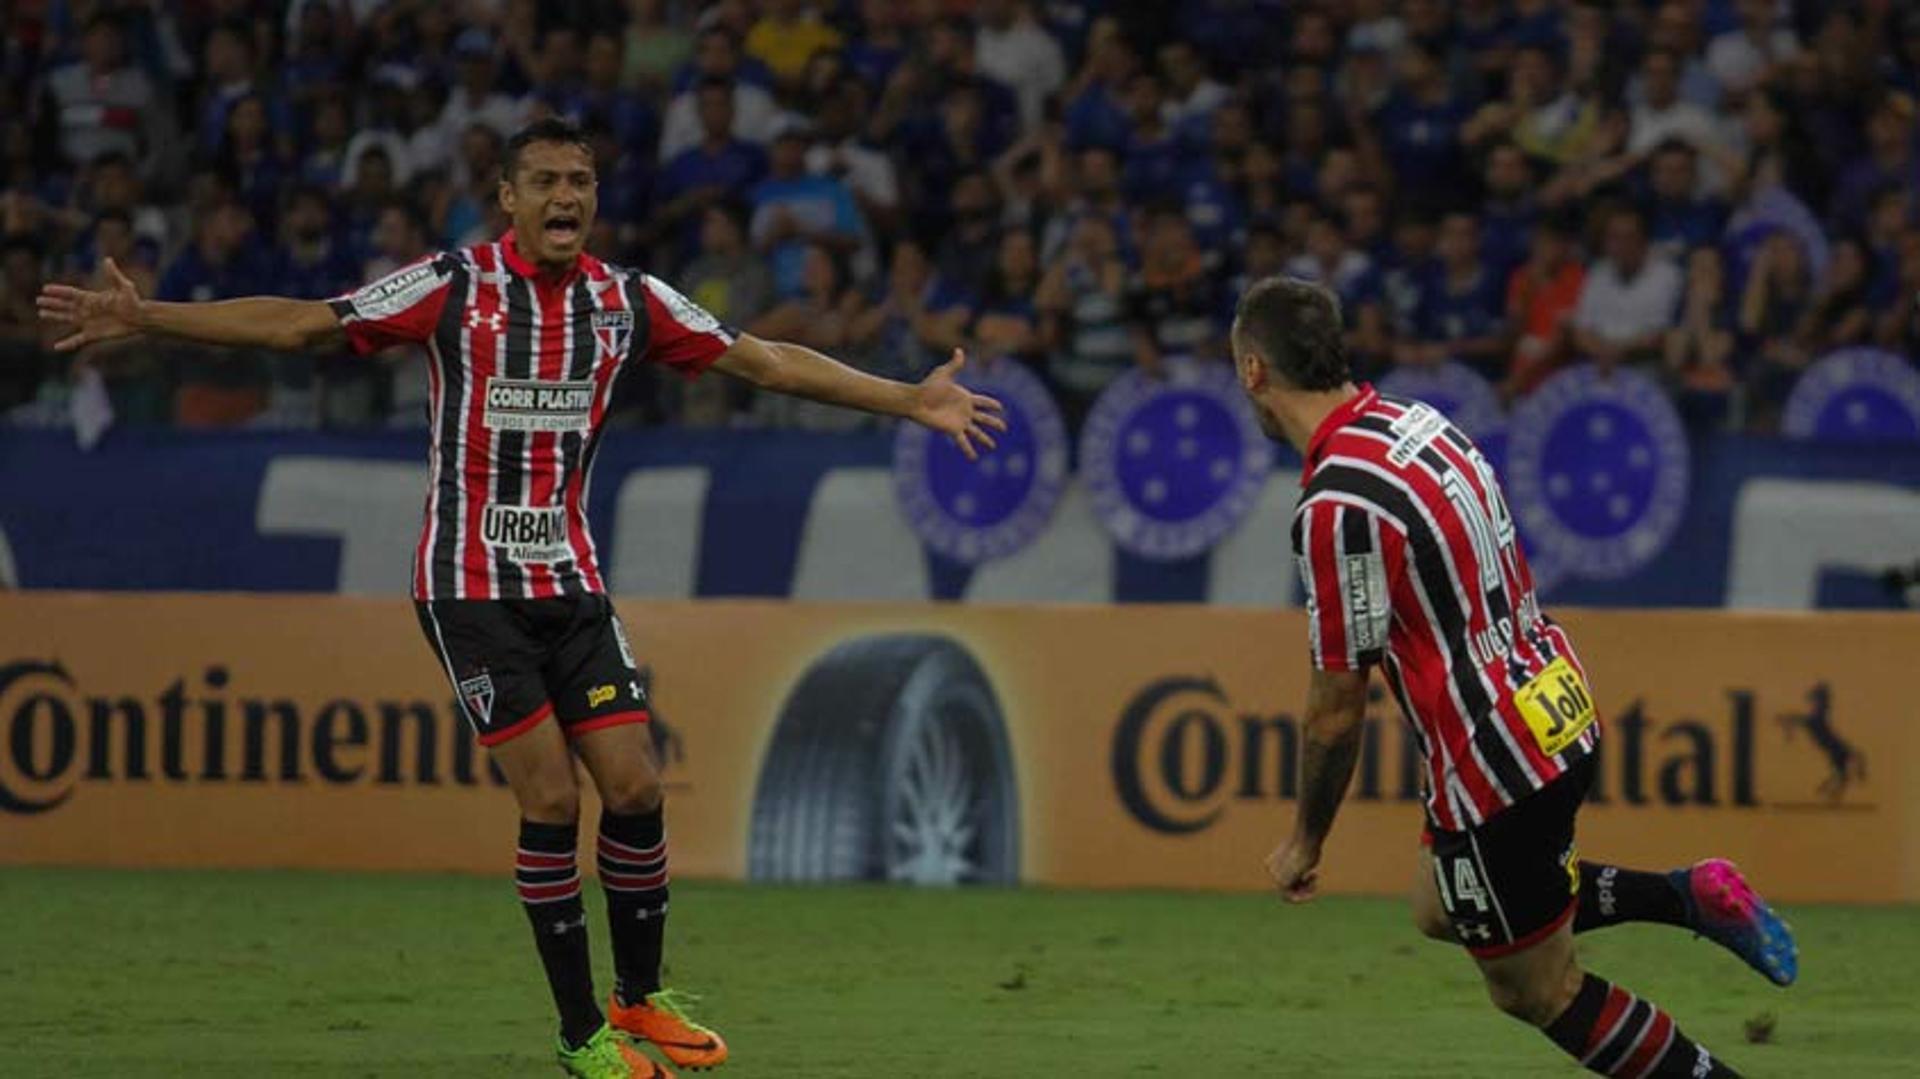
<point>1336,705</point>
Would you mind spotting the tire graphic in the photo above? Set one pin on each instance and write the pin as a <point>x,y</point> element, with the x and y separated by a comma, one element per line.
<point>889,762</point>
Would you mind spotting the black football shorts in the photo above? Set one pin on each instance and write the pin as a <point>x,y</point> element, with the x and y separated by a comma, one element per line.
<point>515,662</point>
<point>1508,884</point>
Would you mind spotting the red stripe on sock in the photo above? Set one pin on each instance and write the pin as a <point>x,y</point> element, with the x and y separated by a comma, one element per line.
<point>628,882</point>
<point>535,860</point>
<point>633,854</point>
<point>1652,1047</point>
<point>1618,1001</point>
<point>536,893</point>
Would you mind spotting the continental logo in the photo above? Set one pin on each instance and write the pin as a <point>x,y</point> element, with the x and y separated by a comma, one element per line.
<point>56,738</point>
<point>1183,755</point>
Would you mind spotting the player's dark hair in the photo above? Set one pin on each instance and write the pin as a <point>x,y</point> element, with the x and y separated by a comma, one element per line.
<point>1295,327</point>
<point>551,129</point>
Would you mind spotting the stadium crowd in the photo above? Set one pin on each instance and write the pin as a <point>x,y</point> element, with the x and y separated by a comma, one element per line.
<point>1715,191</point>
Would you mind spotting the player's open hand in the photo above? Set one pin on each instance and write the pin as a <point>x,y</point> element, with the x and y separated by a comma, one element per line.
<point>93,315</point>
<point>957,412</point>
<point>1294,867</point>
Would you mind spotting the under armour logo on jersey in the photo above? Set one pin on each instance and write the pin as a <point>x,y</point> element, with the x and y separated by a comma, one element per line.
<point>485,320</point>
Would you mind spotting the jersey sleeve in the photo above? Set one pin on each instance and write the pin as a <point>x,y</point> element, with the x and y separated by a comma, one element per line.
<point>680,333</point>
<point>400,308</point>
<point>1349,559</point>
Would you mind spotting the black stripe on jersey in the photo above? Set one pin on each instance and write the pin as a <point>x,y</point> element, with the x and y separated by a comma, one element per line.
<point>633,290</point>
<point>1542,645</point>
<point>444,561</point>
<point>585,356</point>
<point>1424,549</point>
<point>509,459</point>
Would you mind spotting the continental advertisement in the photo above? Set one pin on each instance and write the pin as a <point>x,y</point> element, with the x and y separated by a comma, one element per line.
<point>929,744</point>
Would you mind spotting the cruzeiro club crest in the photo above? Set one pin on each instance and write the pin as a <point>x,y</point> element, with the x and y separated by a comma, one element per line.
<point>1173,464</point>
<point>1856,395</point>
<point>1598,468</point>
<point>1461,394</point>
<point>977,511</point>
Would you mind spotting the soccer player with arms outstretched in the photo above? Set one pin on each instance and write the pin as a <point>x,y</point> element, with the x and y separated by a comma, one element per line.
<point>1410,564</point>
<point>525,338</point>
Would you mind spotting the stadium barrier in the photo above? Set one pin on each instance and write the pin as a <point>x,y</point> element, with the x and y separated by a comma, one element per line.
<point>1070,746</point>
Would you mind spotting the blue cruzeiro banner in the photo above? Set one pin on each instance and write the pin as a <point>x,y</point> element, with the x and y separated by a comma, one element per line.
<point>1615,507</point>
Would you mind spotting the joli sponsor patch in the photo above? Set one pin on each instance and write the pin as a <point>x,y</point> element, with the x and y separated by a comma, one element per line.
<point>1557,706</point>
<point>515,404</point>
<point>528,534</point>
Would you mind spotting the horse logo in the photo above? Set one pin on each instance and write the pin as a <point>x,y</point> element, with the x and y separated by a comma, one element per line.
<point>1845,763</point>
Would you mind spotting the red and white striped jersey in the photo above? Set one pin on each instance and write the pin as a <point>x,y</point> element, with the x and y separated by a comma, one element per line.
<point>521,370</point>
<point>1409,560</point>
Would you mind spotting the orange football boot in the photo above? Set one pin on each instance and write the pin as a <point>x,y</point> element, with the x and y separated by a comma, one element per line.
<point>661,1018</point>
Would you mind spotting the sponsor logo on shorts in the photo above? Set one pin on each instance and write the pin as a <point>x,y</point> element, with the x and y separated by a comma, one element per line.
<point>516,404</point>
<point>600,695</point>
<point>477,693</point>
<point>528,533</point>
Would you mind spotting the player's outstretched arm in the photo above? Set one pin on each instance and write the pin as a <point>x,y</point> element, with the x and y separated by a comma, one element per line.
<point>113,313</point>
<point>937,401</point>
<point>1336,707</point>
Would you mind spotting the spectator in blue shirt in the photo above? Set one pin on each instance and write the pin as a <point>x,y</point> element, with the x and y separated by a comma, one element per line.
<point>1890,160</point>
<point>881,46</point>
<point>1097,115</point>
<point>1155,154</point>
<point>1462,316</point>
<point>1420,130</point>
<point>1508,210</point>
<point>311,263</point>
<point>719,167</point>
<point>792,209</point>
<point>1680,219</point>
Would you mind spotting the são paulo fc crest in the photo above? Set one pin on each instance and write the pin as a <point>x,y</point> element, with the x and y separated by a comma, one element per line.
<point>1856,395</point>
<point>1598,468</point>
<point>977,511</point>
<point>477,693</point>
<point>1173,464</point>
<point>1462,395</point>
<point>612,330</point>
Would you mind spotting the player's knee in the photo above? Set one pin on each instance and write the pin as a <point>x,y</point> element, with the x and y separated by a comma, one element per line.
<point>552,800</point>
<point>1432,922</point>
<point>638,791</point>
<point>1536,1001</point>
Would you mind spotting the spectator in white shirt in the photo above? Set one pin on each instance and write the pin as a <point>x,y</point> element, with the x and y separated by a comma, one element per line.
<point>717,55</point>
<point>106,104</point>
<point>1630,297</point>
<point>1191,94</point>
<point>476,100</point>
<point>1011,46</point>
<point>838,151</point>
<point>1662,114</point>
<point>1740,59</point>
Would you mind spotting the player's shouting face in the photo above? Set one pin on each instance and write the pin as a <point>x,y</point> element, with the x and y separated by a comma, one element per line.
<point>551,193</point>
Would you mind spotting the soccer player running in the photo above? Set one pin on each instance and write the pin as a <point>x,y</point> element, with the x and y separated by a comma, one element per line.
<point>525,339</point>
<point>1410,564</point>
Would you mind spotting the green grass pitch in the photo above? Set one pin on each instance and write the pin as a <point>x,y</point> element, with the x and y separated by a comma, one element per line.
<point>307,974</point>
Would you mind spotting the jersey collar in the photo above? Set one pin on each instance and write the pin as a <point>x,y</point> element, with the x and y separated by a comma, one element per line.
<point>1348,411</point>
<point>518,264</point>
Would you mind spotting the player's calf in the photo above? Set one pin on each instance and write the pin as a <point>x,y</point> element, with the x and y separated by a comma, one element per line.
<point>1610,1031</point>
